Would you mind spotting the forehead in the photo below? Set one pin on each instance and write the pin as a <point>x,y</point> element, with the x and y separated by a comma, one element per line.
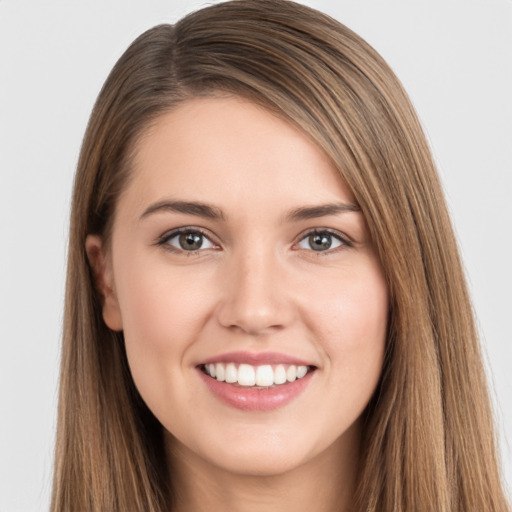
<point>222,149</point>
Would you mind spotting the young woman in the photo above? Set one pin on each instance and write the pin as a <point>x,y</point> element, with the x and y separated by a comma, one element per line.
<point>265,306</point>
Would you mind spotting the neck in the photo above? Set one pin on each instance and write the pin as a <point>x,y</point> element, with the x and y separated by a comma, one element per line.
<point>325,483</point>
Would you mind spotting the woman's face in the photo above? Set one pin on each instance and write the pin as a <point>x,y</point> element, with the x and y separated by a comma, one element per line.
<point>253,305</point>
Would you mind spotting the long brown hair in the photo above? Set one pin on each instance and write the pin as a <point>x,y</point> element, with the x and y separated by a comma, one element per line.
<point>428,438</point>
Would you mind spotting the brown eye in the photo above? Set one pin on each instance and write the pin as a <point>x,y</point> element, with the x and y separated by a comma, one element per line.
<point>321,241</point>
<point>187,241</point>
<point>190,241</point>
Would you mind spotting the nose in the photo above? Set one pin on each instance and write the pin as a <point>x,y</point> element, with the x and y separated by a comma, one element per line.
<point>255,298</point>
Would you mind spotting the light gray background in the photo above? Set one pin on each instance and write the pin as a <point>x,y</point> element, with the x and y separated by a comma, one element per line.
<point>455,59</point>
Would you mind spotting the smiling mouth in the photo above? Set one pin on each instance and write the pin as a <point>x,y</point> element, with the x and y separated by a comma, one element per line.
<point>255,376</point>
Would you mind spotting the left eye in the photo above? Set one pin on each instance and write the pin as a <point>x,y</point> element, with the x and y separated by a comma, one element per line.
<point>189,241</point>
<point>321,241</point>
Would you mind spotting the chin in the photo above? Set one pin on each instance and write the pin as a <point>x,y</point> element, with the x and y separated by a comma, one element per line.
<point>260,463</point>
<point>259,454</point>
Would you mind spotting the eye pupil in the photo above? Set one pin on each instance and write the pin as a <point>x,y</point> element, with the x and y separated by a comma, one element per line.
<point>320,241</point>
<point>191,241</point>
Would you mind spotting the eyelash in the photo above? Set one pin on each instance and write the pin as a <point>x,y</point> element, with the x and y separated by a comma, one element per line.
<point>344,241</point>
<point>163,241</point>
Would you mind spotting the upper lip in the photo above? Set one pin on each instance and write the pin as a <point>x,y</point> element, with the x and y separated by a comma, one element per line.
<point>256,358</point>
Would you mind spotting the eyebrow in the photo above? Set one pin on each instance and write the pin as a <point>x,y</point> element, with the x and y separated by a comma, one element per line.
<point>212,212</point>
<point>187,207</point>
<point>313,212</point>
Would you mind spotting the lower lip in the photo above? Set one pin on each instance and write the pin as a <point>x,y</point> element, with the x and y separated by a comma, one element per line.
<point>250,399</point>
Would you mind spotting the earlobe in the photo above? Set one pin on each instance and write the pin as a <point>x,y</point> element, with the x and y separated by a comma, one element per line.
<point>104,282</point>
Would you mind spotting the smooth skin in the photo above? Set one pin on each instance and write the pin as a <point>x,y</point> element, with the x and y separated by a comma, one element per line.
<point>257,271</point>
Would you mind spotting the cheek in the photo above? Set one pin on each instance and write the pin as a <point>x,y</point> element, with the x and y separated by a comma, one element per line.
<point>352,324</point>
<point>162,312</point>
<point>160,307</point>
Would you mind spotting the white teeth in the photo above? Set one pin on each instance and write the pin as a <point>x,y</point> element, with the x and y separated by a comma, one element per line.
<point>301,371</point>
<point>246,375</point>
<point>279,374</point>
<point>219,372</point>
<point>291,373</point>
<point>262,376</point>
<point>231,373</point>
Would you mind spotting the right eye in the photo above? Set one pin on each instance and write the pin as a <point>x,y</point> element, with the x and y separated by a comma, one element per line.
<point>187,240</point>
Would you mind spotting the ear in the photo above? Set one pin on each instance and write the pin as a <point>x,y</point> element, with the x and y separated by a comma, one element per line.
<point>104,281</point>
